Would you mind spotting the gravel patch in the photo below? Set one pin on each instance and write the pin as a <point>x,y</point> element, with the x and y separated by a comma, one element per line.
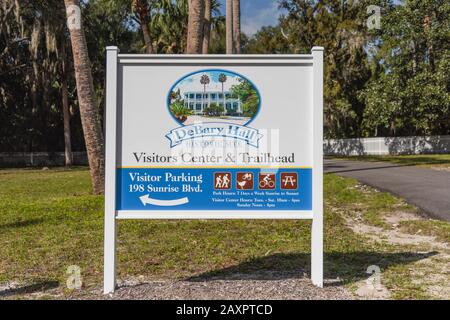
<point>253,287</point>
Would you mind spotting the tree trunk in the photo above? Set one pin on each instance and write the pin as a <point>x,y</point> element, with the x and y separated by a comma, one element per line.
<point>229,26</point>
<point>90,118</point>
<point>144,18</point>
<point>65,104</point>
<point>414,58</point>
<point>195,26</point>
<point>207,27</point>
<point>237,26</point>
<point>147,37</point>
<point>429,42</point>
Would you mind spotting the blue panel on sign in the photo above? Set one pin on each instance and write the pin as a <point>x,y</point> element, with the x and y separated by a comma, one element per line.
<point>214,189</point>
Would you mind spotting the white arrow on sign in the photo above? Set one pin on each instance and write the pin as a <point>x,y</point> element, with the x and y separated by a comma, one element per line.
<point>163,203</point>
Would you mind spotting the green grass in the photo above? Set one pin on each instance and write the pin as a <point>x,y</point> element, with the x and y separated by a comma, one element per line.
<point>425,160</point>
<point>360,201</point>
<point>49,221</point>
<point>438,229</point>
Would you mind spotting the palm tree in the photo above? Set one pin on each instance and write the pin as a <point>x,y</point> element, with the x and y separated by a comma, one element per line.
<point>222,80</point>
<point>180,111</point>
<point>237,26</point>
<point>89,114</point>
<point>169,23</point>
<point>207,27</point>
<point>195,26</point>
<point>204,80</point>
<point>229,26</point>
<point>142,9</point>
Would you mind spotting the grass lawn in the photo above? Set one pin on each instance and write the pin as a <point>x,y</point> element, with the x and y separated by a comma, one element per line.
<point>438,161</point>
<point>50,221</point>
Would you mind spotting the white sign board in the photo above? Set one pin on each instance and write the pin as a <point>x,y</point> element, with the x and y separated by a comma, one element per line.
<point>214,137</point>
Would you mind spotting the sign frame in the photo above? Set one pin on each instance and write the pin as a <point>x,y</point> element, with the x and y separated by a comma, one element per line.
<point>114,60</point>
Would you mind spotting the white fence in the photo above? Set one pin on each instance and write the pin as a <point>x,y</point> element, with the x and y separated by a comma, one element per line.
<point>332,147</point>
<point>39,159</point>
<point>387,146</point>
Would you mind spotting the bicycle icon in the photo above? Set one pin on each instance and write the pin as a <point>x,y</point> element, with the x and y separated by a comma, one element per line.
<point>266,181</point>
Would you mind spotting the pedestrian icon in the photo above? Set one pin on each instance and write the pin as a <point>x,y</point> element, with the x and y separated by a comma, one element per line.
<point>289,180</point>
<point>244,180</point>
<point>222,180</point>
<point>266,181</point>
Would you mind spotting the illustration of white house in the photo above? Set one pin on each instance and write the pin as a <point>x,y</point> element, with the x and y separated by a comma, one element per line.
<point>197,101</point>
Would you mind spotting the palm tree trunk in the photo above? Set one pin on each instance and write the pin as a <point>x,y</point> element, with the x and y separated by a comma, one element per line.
<point>144,19</point>
<point>207,27</point>
<point>195,26</point>
<point>90,118</point>
<point>224,102</point>
<point>237,26</point>
<point>203,100</point>
<point>65,104</point>
<point>147,37</point>
<point>229,26</point>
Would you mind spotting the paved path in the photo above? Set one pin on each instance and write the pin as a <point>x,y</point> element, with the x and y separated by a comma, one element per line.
<point>428,189</point>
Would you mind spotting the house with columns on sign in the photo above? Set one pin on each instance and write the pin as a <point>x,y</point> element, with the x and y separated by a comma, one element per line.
<point>197,101</point>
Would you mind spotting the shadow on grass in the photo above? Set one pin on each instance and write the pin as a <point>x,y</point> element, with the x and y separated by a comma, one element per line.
<point>35,287</point>
<point>347,267</point>
<point>21,224</point>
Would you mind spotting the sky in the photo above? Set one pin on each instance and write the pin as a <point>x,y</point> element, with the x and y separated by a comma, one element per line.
<point>256,13</point>
<point>192,83</point>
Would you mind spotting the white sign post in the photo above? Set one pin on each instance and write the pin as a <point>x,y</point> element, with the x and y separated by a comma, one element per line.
<point>214,137</point>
